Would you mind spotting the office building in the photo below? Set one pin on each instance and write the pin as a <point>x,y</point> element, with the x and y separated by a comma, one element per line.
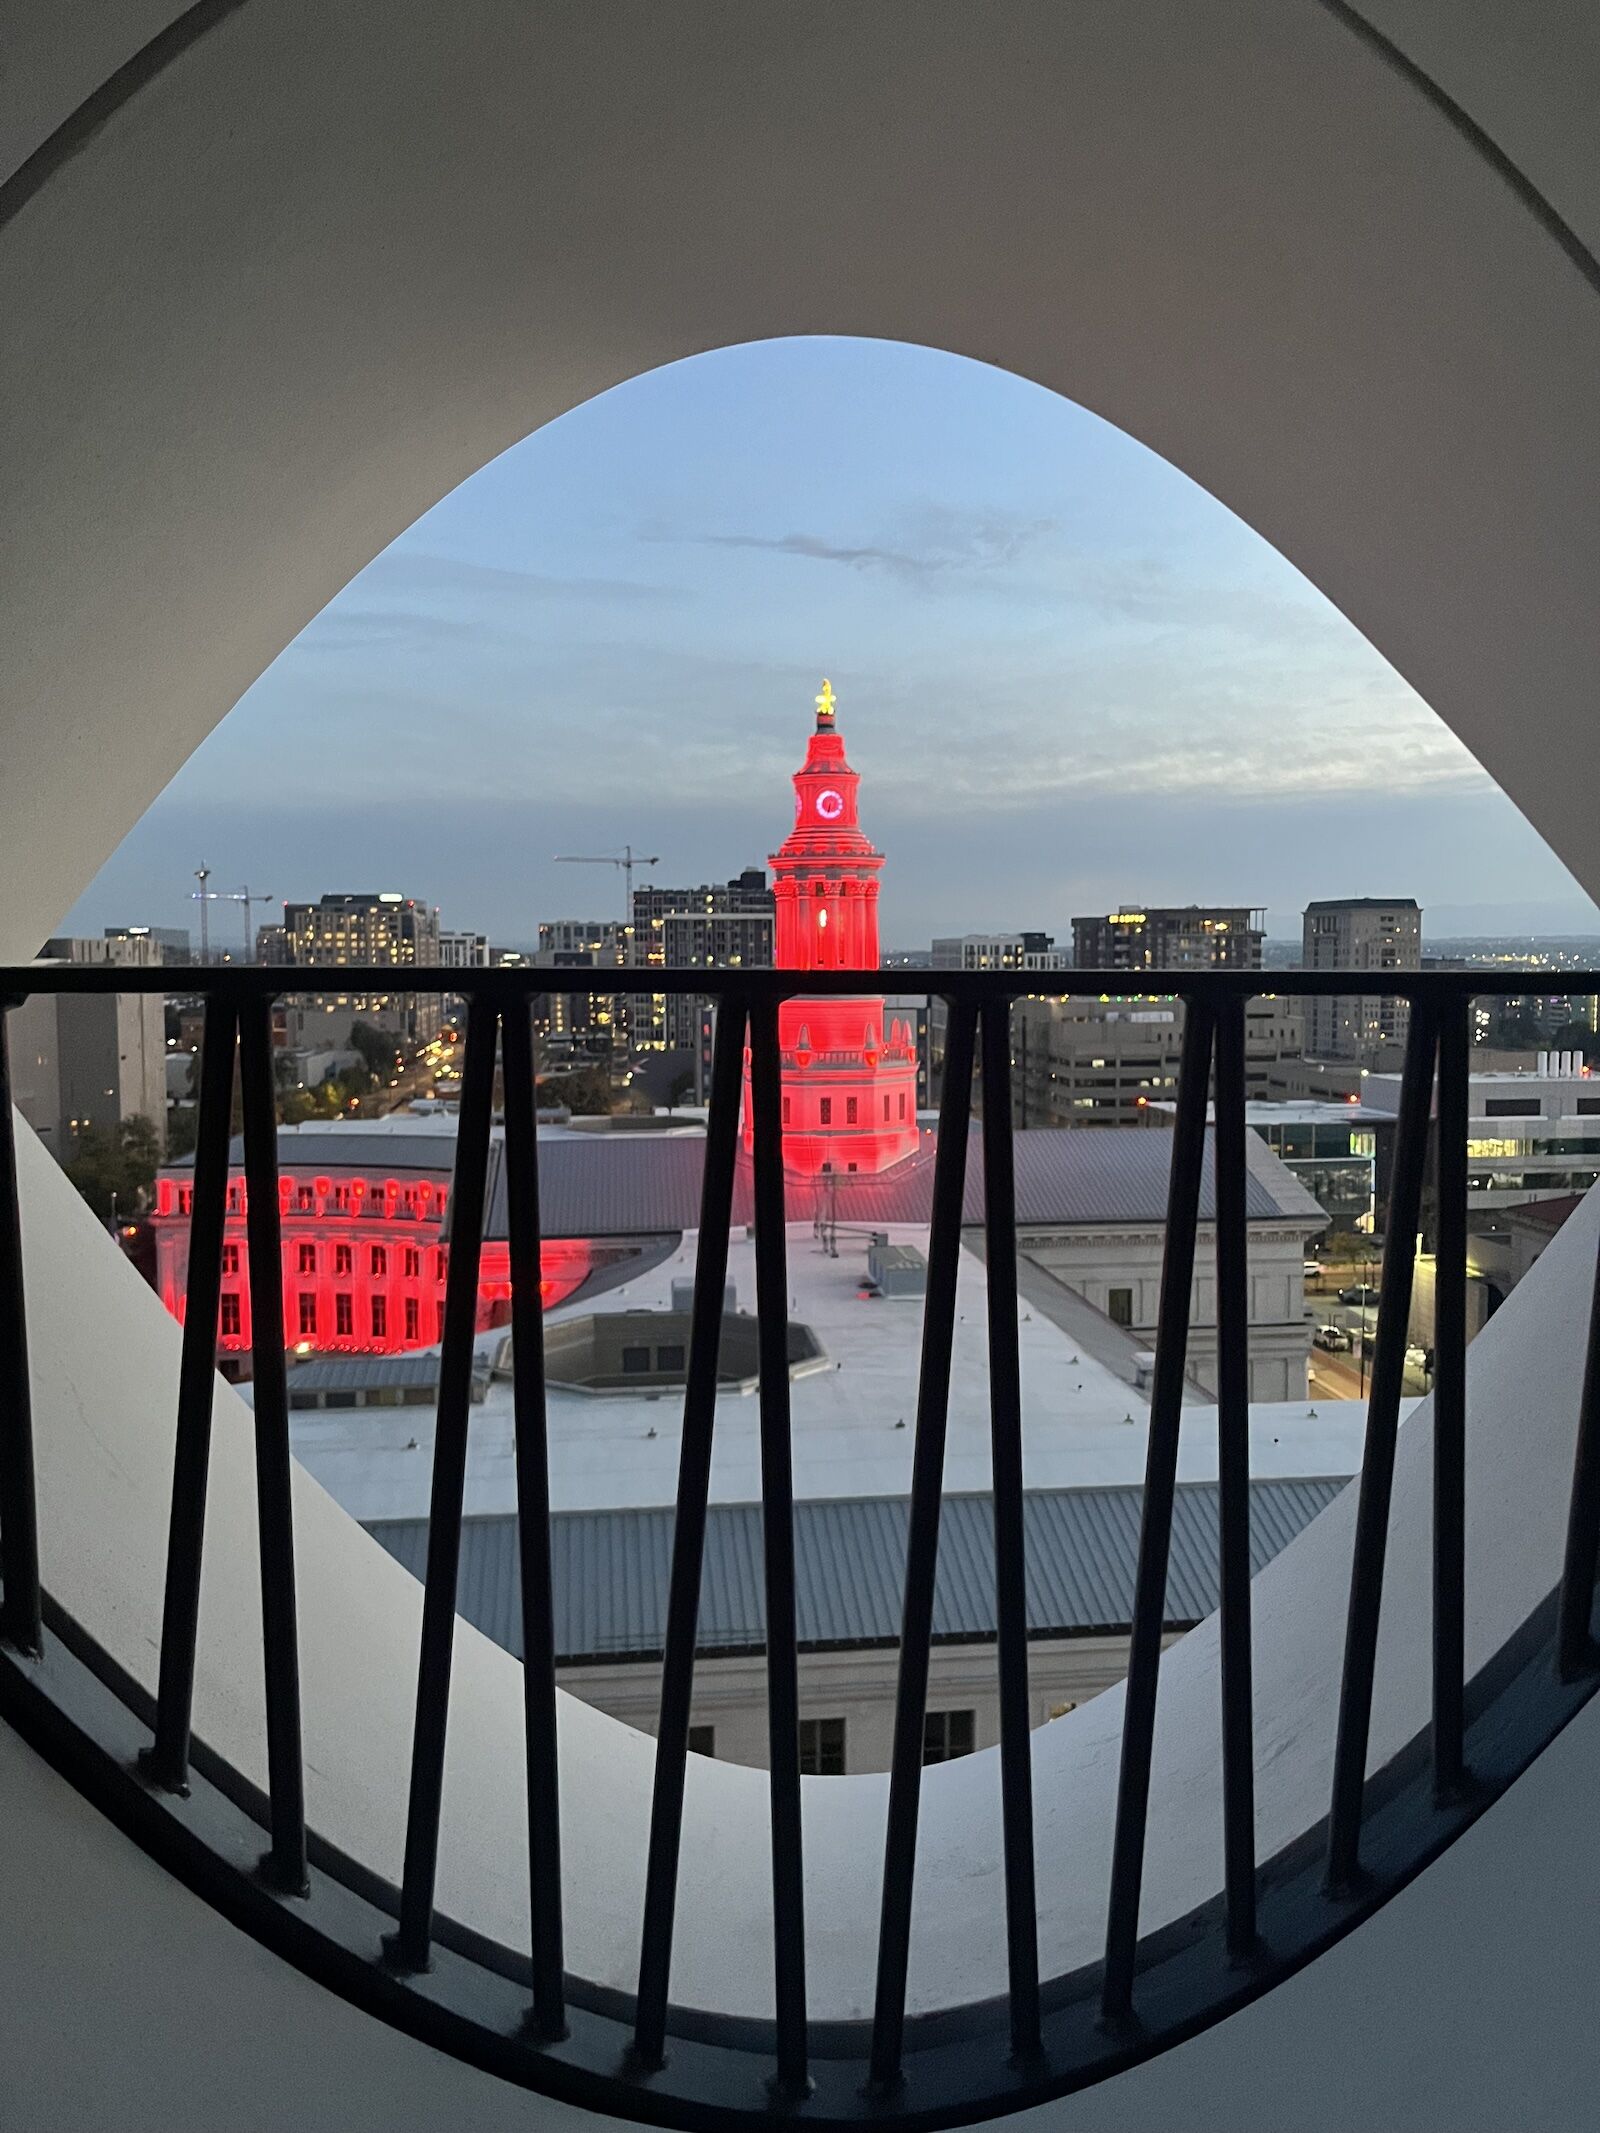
<point>81,1060</point>
<point>172,941</point>
<point>1078,1062</point>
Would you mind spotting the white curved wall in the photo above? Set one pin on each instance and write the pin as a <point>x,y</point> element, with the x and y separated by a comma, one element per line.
<point>334,259</point>
<point>104,1412</point>
<point>1465,2006</point>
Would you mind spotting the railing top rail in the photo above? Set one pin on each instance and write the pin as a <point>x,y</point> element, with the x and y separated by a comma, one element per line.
<point>253,980</point>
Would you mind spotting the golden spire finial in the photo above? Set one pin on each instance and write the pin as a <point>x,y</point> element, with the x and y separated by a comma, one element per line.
<point>825,704</point>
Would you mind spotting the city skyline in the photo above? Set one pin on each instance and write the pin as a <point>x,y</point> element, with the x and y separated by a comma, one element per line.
<point>1056,655</point>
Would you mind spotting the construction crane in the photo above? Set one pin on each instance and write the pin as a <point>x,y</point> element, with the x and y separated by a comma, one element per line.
<point>627,859</point>
<point>245,900</point>
<point>203,897</point>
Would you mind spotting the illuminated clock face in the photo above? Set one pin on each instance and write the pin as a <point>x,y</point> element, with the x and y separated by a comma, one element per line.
<point>830,805</point>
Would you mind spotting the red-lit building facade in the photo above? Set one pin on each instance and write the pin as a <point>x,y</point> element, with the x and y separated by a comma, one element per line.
<point>363,1207</point>
<point>849,1073</point>
<point>361,1217</point>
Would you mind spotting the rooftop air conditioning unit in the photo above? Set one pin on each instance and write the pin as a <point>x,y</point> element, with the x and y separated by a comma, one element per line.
<point>683,1294</point>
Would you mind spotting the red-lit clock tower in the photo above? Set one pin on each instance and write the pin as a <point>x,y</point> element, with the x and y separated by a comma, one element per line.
<point>849,1082</point>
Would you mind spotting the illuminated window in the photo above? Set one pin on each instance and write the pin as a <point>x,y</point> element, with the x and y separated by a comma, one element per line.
<point>230,1259</point>
<point>344,1314</point>
<point>307,1261</point>
<point>308,1315</point>
<point>380,1259</point>
<point>228,1316</point>
<point>380,1318</point>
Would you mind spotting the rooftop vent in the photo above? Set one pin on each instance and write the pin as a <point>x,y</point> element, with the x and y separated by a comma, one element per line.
<point>896,1269</point>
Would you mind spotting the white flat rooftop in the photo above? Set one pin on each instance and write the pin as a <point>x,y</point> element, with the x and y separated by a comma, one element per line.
<point>1082,1425</point>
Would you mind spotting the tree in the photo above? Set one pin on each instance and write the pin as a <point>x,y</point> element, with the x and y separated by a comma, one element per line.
<point>114,1168</point>
<point>587,1094</point>
<point>183,1129</point>
<point>680,1089</point>
<point>378,1050</point>
<point>1515,1029</point>
<point>1577,1037</point>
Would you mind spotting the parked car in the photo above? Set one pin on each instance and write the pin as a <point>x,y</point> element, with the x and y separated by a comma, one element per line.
<point>1334,1338</point>
<point>1311,1268</point>
<point>1361,1292</point>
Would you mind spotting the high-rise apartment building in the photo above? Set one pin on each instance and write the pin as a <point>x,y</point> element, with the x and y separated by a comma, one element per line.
<point>463,951</point>
<point>603,938</point>
<point>998,951</point>
<point>1366,933</point>
<point>718,925</point>
<point>1179,937</point>
<point>368,928</point>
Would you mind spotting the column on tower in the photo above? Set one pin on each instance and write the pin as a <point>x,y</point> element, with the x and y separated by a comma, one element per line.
<point>850,1097</point>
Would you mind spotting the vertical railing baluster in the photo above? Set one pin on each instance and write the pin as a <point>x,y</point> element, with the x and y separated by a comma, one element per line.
<point>777,1532</point>
<point>285,1863</point>
<point>408,1949</point>
<point>1155,1522</point>
<point>922,1546</point>
<point>1575,1645</point>
<point>689,1532</point>
<point>533,1523</point>
<point>1010,1558</point>
<point>20,1622</point>
<point>1233,1480</point>
<point>1450,1406</point>
<point>1378,1453</point>
<point>167,1762</point>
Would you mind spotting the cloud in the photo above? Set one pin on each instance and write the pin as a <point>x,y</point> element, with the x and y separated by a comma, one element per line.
<point>408,598</point>
<point>939,542</point>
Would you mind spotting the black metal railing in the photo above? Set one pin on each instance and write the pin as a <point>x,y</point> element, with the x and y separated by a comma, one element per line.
<point>519,2012</point>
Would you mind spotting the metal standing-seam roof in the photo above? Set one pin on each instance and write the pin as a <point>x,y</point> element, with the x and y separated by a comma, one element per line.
<point>605,1185</point>
<point>368,1145</point>
<point>610,1568</point>
<point>372,1373</point>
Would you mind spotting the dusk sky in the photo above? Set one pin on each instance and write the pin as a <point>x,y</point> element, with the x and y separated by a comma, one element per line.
<point>1067,676</point>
